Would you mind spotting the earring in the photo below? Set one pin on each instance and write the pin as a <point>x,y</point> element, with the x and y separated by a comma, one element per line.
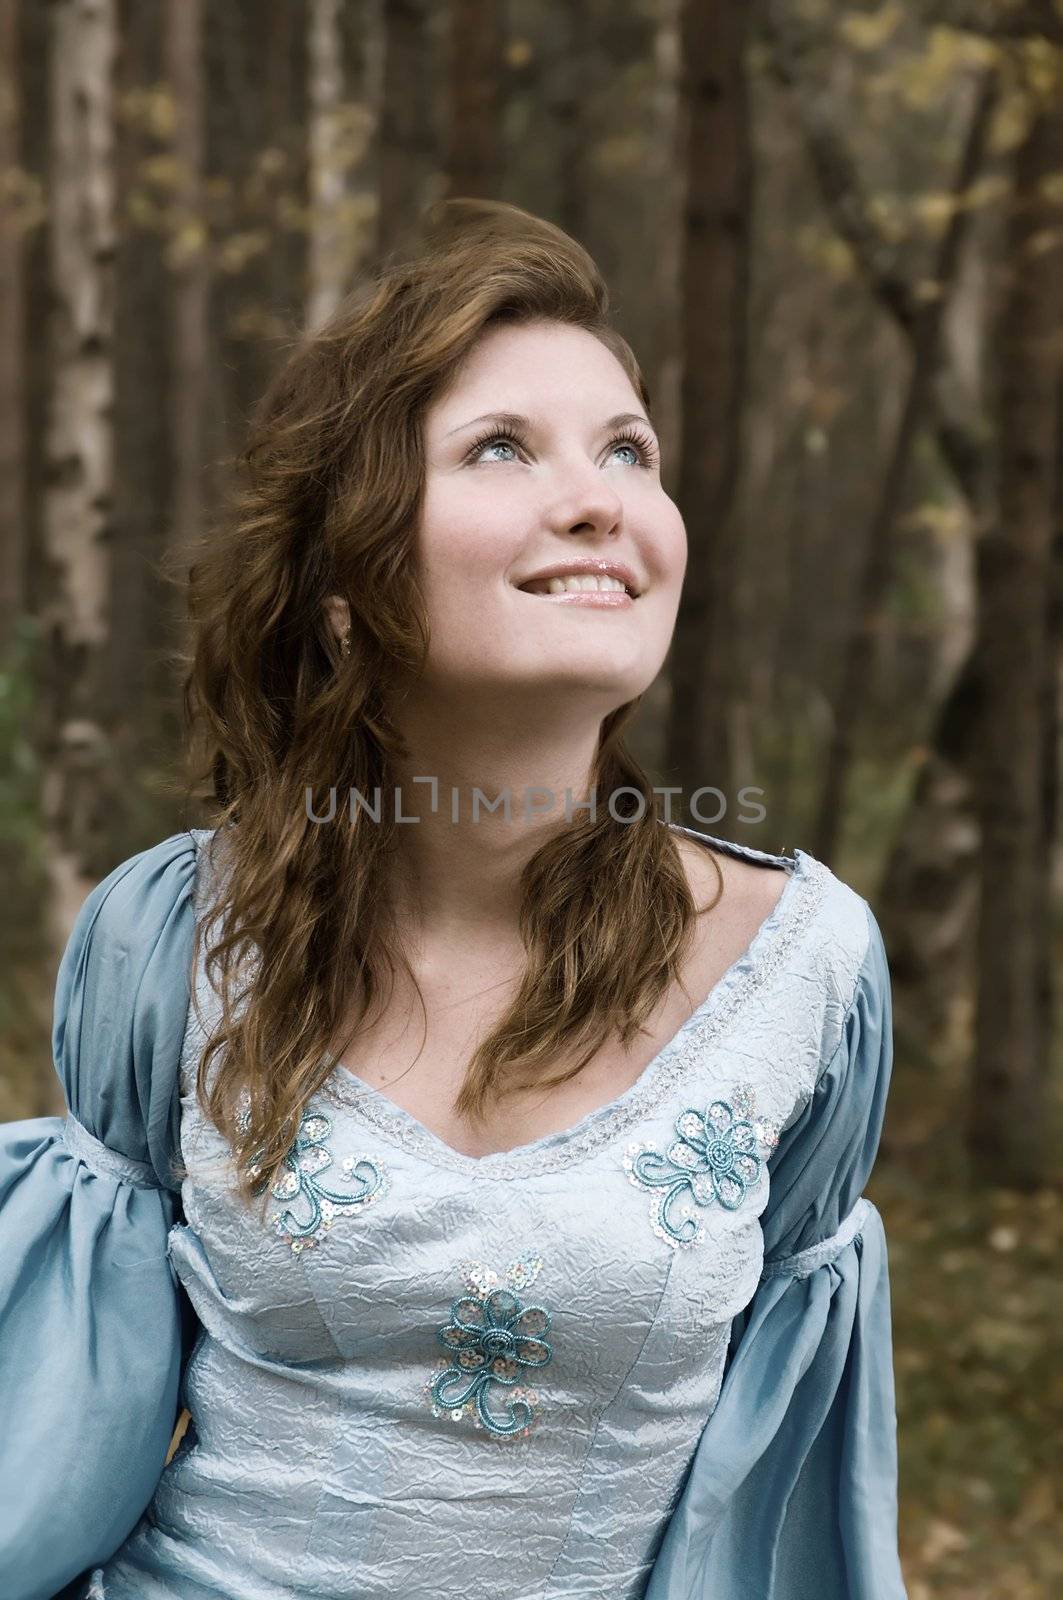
<point>345,642</point>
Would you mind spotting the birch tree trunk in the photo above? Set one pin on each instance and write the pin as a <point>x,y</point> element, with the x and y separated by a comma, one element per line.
<point>326,267</point>
<point>78,526</point>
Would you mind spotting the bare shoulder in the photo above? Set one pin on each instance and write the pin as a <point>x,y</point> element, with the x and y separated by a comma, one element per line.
<point>749,895</point>
<point>758,888</point>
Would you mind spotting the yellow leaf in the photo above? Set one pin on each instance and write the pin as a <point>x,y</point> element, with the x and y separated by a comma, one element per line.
<point>623,152</point>
<point>186,243</point>
<point>518,53</point>
<point>1043,241</point>
<point>239,249</point>
<point>986,191</point>
<point>935,209</point>
<point>827,251</point>
<point>869,30</point>
<point>1011,122</point>
<point>929,75</point>
<point>162,171</point>
<point>1051,188</point>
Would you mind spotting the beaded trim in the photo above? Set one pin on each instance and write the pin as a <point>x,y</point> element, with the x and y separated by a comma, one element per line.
<point>754,969</point>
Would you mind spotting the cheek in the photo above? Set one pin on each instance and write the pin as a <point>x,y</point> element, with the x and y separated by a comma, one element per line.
<point>462,540</point>
<point>666,556</point>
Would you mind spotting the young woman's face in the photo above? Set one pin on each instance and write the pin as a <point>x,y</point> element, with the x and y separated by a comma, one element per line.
<point>499,509</point>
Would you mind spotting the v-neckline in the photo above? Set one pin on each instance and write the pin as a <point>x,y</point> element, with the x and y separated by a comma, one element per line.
<point>792,911</point>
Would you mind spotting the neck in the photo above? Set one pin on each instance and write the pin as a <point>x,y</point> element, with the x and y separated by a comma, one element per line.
<point>457,868</point>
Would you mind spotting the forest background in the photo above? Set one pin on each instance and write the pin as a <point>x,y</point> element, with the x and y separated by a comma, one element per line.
<point>834,236</point>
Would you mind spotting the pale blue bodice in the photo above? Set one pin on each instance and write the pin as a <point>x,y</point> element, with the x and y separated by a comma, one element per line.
<point>425,1356</point>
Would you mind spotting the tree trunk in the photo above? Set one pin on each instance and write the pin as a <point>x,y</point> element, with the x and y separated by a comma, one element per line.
<point>1007,1116</point>
<point>334,122</point>
<point>143,480</point>
<point>876,576</point>
<point>405,149</point>
<point>474,165</point>
<point>190,268</point>
<point>714,154</point>
<point>79,490</point>
<point>12,312</point>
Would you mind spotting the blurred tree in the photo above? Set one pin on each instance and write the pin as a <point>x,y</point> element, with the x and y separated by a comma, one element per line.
<point>78,512</point>
<point>713,150</point>
<point>343,94</point>
<point>188,261</point>
<point>406,165</point>
<point>12,314</point>
<point>1020,659</point>
<point>928,886</point>
<point>474,156</point>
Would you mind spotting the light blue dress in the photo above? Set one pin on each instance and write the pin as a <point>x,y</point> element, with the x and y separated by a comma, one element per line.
<point>649,1356</point>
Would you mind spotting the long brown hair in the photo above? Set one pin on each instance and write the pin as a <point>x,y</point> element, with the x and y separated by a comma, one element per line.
<point>327,502</point>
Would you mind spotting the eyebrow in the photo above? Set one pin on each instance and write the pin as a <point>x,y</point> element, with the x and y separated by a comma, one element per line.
<point>513,419</point>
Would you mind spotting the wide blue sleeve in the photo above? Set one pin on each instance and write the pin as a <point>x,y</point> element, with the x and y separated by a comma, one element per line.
<point>90,1317</point>
<point>792,1493</point>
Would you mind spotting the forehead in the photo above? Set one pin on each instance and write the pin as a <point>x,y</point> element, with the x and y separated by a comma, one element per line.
<point>524,366</point>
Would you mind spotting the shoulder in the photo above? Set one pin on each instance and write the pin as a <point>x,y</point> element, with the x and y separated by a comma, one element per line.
<point>831,933</point>
<point>141,904</point>
<point>743,894</point>
<point>845,950</point>
<point>137,899</point>
<point>123,986</point>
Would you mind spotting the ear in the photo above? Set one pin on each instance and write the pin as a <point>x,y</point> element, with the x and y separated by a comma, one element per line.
<point>338,613</point>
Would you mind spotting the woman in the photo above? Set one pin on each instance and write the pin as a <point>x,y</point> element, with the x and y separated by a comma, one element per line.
<point>516,1244</point>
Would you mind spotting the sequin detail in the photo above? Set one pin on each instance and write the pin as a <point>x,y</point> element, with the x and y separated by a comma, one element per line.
<point>300,1184</point>
<point>715,1159</point>
<point>803,897</point>
<point>493,1338</point>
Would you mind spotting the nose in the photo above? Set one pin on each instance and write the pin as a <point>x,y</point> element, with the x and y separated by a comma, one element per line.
<point>588,506</point>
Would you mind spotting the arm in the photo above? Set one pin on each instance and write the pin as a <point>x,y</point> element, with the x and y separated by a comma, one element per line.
<point>90,1311</point>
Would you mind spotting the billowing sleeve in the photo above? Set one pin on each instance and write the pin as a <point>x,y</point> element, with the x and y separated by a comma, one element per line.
<point>90,1318</point>
<point>792,1493</point>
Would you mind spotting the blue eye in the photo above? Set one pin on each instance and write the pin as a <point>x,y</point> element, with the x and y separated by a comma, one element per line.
<point>493,443</point>
<point>631,439</point>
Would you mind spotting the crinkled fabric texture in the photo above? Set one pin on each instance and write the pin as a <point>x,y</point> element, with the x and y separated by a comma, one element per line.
<point>90,1314</point>
<point>714,1416</point>
<point>792,1493</point>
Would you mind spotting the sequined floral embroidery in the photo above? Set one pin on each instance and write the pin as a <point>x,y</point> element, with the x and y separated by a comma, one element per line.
<point>493,1338</point>
<point>716,1159</point>
<point>305,1223</point>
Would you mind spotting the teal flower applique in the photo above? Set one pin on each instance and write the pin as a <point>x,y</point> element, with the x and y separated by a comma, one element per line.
<point>492,1338</point>
<point>318,1206</point>
<point>717,1158</point>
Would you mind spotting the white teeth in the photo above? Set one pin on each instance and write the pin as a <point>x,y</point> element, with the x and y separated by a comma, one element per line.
<point>579,583</point>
